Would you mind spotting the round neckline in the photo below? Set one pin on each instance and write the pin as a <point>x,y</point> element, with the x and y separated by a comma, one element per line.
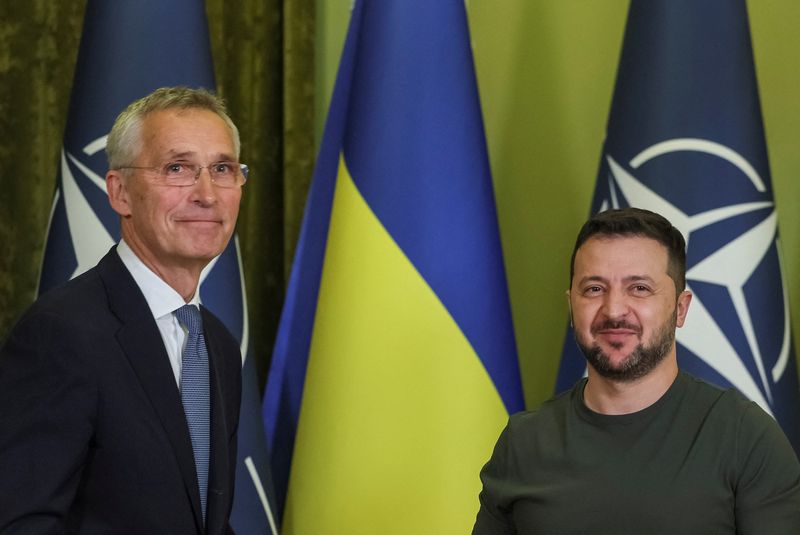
<point>677,386</point>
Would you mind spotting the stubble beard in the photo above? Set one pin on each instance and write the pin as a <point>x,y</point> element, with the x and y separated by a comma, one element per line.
<point>641,361</point>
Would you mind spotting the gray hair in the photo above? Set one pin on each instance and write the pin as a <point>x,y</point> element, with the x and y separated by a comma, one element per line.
<point>125,141</point>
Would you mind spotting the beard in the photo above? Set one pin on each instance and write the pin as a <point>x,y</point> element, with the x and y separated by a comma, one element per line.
<point>639,362</point>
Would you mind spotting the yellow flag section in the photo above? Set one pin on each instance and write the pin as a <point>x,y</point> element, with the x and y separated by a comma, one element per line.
<point>398,413</point>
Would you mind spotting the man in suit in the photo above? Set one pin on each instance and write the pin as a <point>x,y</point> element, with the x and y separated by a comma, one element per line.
<point>119,393</point>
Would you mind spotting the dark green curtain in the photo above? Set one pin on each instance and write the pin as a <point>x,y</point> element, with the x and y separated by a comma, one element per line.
<point>263,56</point>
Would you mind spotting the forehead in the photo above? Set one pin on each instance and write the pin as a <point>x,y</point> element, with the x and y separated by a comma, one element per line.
<point>186,131</point>
<point>614,257</point>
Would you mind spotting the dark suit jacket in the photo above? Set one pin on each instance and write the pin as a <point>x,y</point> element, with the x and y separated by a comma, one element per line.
<point>93,438</point>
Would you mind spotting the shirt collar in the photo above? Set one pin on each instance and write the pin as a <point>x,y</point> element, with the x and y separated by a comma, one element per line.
<point>160,296</point>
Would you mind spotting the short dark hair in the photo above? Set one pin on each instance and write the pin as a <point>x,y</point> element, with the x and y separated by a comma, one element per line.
<point>638,222</point>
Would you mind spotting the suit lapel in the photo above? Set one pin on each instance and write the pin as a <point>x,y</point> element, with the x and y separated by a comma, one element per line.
<point>219,482</point>
<point>141,342</point>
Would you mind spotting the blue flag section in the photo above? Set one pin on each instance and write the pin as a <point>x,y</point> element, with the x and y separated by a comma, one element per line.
<point>128,49</point>
<point>685,139</point>
<point>396,339</point>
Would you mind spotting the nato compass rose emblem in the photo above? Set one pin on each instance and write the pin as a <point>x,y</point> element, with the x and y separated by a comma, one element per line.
<point>82,224</point>
<point>90,237</point>
<point>737,332</point>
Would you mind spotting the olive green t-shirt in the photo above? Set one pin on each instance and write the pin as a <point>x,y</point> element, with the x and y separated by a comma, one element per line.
<point>699,461</point>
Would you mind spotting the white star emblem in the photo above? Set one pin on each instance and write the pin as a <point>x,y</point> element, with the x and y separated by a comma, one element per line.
<point>729,267</point>
<point>90,239</point>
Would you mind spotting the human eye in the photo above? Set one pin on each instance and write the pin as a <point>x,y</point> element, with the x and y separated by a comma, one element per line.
<point>174,168</point>
<point>223,168</point>
<point>179,171</point>
<point>593,289</point>
<point>641,290</point>
<point>224,173</point>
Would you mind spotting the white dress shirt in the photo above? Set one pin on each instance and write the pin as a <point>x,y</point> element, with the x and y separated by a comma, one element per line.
<point>163,300</point>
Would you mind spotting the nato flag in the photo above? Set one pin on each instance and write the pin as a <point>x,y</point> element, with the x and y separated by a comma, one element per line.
<point>685,139</point>
<point>128,49</point>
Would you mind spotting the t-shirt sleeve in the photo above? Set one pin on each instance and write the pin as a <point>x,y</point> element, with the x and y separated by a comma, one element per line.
<point>768,488</point>
<point>494,514</point>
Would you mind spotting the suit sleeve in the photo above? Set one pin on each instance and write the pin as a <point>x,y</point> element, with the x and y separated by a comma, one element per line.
<point>768,489</point>
<point>47,409</point>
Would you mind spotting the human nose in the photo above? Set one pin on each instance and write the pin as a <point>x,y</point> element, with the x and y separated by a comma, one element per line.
<point>615,305</point>
<point>204,190</point>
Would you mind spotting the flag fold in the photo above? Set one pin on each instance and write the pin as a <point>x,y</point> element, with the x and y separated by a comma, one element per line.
<point>395,365</point>
<point>685,139</point>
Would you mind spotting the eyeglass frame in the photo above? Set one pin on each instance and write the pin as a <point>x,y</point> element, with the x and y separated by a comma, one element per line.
<point>244,170</point>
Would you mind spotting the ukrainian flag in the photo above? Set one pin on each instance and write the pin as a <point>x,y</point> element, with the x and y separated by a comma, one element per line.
<point>395,366</point>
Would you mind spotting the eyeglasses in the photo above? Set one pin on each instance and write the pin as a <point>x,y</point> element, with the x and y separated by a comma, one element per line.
<point>223,174</point>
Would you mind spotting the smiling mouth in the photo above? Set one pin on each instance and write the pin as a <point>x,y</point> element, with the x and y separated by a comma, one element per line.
<point>616,333</point>
<point>200,221</point>
<point>617,338</point>
<point>617,326</point>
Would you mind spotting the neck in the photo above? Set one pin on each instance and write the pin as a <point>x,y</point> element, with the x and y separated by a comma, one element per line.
<point>182,277</point>
<point>610,397</point>
<point>182,281</point>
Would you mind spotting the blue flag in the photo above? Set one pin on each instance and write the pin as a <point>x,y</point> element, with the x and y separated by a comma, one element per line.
<point>128,49</point>
<point>395,365</point>
<point>685,139</point>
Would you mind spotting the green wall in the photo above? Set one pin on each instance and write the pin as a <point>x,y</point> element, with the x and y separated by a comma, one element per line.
<point>546,71</point>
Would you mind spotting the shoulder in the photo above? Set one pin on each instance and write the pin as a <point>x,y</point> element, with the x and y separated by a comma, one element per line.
<point>83,300</point>
<point>57,342</point>
<point>726,404</point>
<point>66,308</point>
<point>81,316</point>
<point>530,436</point>
<point>548,420</point>
<point>752,434</point>
<point>759,463</point>
<point>701,390</point>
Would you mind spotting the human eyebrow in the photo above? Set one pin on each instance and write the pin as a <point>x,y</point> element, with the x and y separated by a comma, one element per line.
<point>185,155</point>
<point>192,156</point>
<point>633,279</point>
<point>592,279</point>
<point>224,157</point>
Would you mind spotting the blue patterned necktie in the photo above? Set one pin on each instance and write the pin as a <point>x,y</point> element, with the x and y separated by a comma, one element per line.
<point>195,395</point>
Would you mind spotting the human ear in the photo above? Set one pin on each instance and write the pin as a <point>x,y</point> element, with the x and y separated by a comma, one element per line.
<point>569,307</point>
<point>117,189</point>
<point>682,307</point>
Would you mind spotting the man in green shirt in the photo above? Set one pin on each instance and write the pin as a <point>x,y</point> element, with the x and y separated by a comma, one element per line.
<point>638,447</point>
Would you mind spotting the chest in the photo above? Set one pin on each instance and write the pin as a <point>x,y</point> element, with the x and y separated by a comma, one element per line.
<point>622,503</point>
<point>627,480</point>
